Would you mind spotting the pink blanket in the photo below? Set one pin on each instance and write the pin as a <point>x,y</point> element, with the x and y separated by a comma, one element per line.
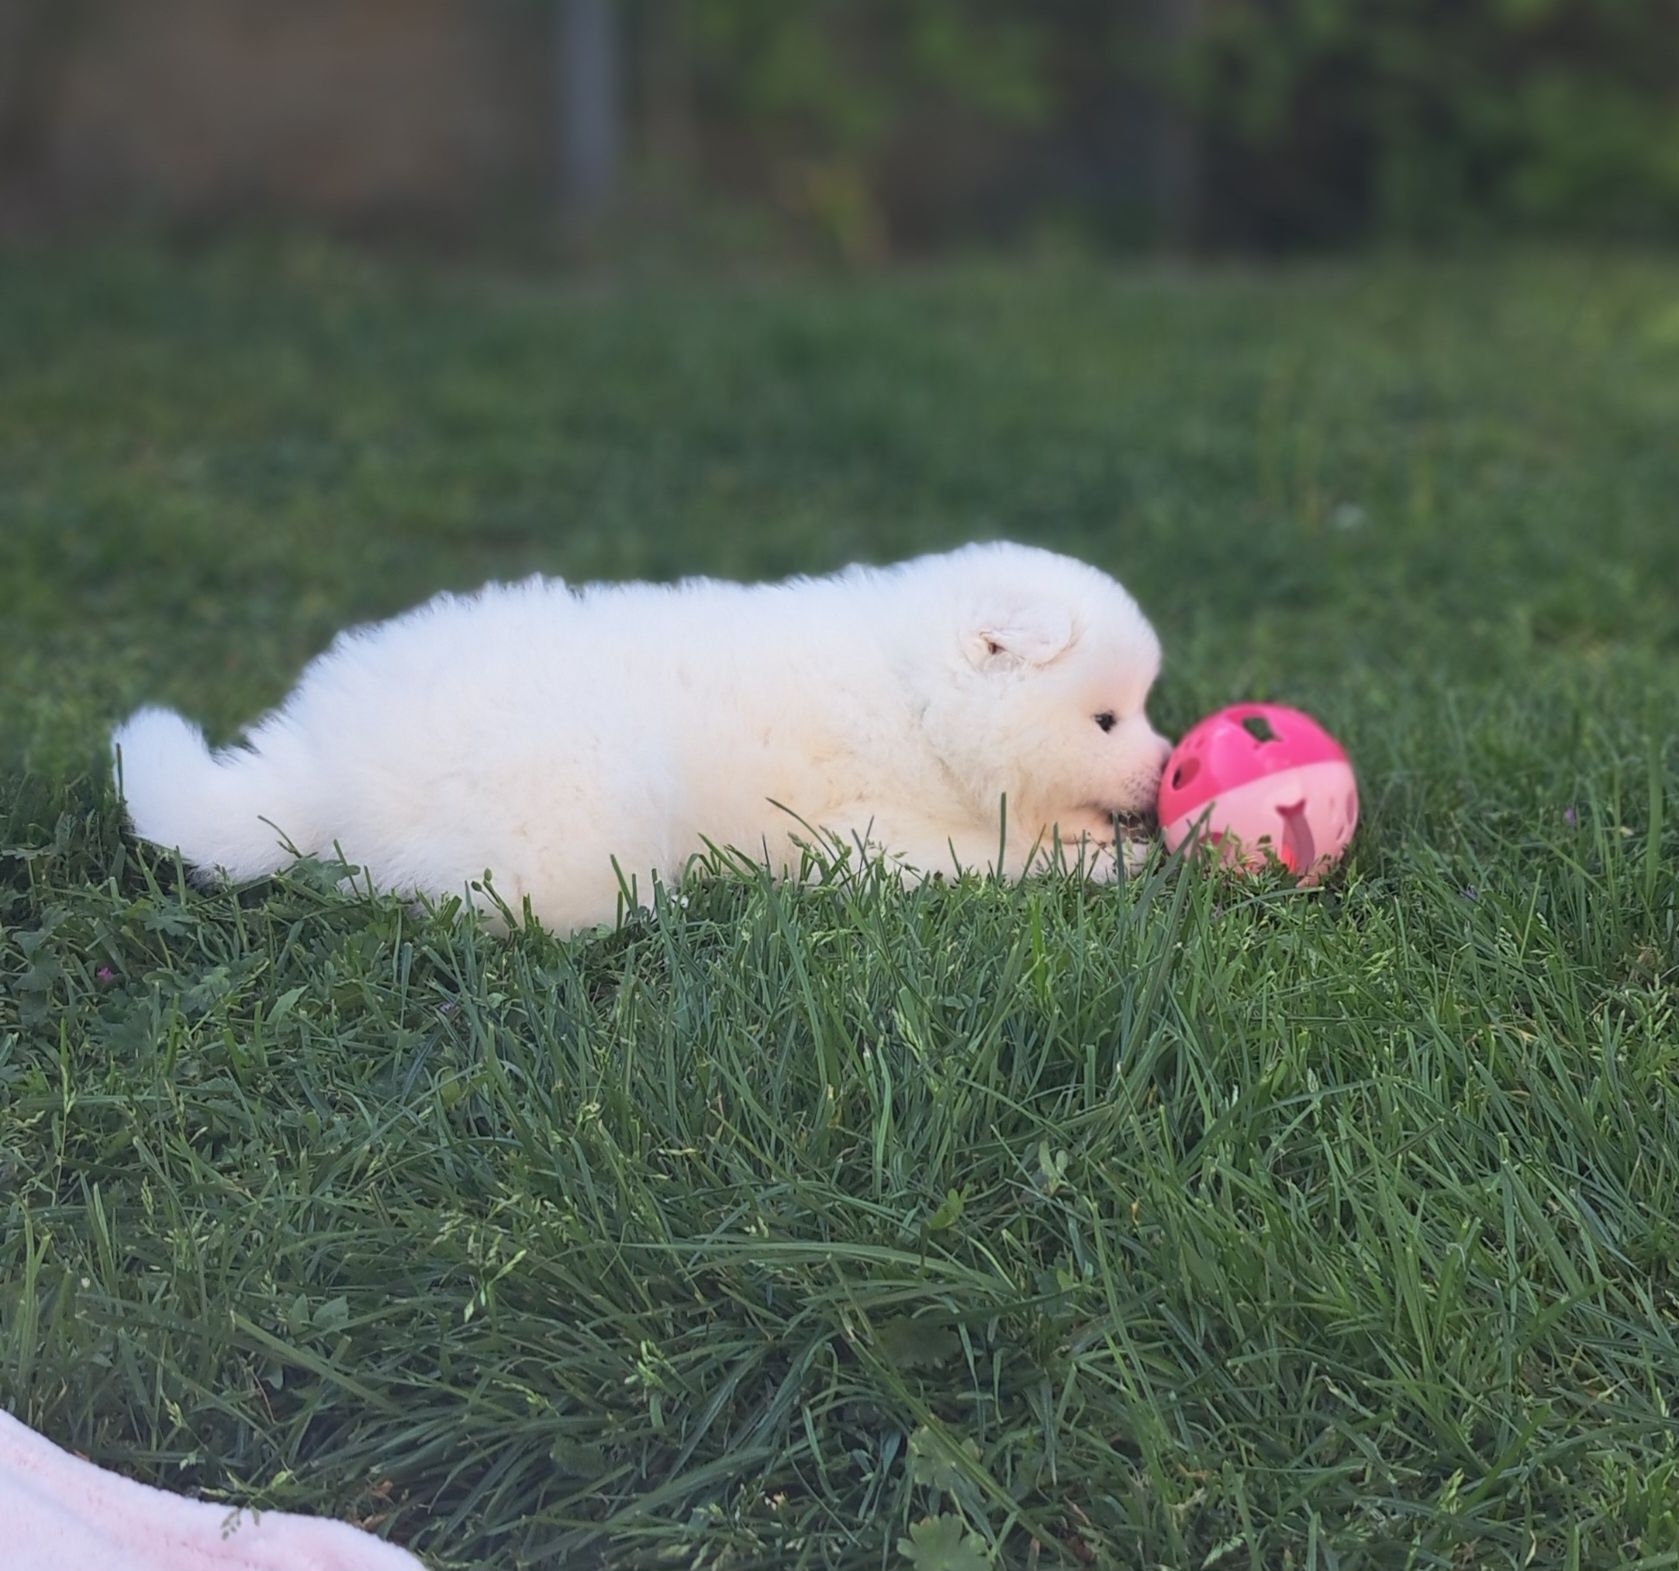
<point>59,1513</point>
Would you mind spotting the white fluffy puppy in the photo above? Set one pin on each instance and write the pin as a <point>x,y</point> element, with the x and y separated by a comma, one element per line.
<point>560,738</point>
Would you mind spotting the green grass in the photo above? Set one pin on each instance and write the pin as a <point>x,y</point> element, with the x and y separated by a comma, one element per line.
<point>1184,1224</point>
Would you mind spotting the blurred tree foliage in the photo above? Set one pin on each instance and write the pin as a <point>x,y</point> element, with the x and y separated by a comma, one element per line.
<point>819,101</point>
<point>888,123</point>
<point>1418,119</point>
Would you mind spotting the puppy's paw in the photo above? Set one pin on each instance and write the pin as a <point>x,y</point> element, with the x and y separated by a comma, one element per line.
<point>1106,862</point>
<point>1135,852</point>
<point>1109,861</point>
<point>1088,856</point>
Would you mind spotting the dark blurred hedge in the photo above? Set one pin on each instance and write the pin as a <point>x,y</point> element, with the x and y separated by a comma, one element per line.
<point>887,124</point>
<point>1426,118</point>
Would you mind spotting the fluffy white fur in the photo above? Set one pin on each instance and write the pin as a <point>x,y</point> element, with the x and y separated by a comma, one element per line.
<point>558,736</point>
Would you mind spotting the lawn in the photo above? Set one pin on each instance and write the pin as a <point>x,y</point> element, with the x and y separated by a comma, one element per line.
<point>1185,1224</point>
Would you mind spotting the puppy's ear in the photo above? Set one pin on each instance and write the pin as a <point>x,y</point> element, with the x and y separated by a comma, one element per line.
<point>1020,634</point>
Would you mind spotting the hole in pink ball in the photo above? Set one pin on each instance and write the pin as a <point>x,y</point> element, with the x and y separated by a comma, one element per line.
<point>1259,728</point>
<point>1185,772</point>
<point>1299,847</point>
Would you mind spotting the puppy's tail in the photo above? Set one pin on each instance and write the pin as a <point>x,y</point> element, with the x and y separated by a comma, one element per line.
<point>236,811</point>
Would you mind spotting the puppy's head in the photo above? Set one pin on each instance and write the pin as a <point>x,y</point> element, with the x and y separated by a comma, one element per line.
<point>1045,678</point>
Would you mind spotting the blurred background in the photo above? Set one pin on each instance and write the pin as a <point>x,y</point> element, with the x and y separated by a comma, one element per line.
<point>861,130</point>
<point>1344,326</point>
<point>1345,332</point>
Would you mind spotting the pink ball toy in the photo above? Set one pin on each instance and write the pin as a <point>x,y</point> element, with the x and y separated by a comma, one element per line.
<point>1260,781</point>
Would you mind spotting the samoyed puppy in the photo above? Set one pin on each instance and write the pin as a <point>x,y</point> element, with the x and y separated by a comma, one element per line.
<point>982,709</point>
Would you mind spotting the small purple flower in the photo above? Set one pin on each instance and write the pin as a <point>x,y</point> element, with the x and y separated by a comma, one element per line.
<point>105,976</point>
<point>1570,817</point>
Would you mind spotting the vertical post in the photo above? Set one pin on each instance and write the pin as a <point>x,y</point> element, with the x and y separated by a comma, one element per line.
<point>666,68</point>
<point>37,41</point>
<point>1175,145</point>
<point>588,118</point>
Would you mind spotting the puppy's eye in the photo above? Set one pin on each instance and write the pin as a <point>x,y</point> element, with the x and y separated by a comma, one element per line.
<point>1105,720</point>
